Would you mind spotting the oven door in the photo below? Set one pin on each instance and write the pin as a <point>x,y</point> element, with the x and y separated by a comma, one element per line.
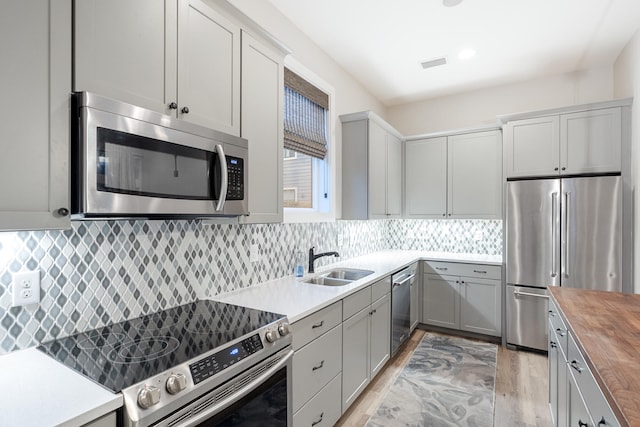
<point>261,396</point>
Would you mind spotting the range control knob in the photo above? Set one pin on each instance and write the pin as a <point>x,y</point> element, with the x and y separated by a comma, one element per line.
<point>283,329</point>
<point>148,396</point>
<point>176,383</point>
<point>270,336</point>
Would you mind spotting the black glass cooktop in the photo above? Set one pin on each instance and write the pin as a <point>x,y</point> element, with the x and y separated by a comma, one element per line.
<point>123,354</point>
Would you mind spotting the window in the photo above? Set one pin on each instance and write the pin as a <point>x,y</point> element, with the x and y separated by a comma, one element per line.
<point>306,146</point>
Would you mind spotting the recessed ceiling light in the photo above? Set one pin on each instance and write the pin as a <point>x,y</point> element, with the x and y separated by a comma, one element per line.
<point>466,53</point>
<point>451,3</point>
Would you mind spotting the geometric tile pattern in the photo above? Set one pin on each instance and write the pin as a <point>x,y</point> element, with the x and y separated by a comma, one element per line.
<point>457,236</point>
<point>102,272</point>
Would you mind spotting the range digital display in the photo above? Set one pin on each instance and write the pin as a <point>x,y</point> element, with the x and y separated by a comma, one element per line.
<point>217,362</point>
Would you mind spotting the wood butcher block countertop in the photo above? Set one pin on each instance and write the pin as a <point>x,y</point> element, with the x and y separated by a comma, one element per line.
<point>606,327</point>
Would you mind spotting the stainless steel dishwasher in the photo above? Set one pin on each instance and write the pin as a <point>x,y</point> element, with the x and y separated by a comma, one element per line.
<point>401,306</point>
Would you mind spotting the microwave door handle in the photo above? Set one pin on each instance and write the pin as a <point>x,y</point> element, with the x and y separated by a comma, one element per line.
<point>225,178</point>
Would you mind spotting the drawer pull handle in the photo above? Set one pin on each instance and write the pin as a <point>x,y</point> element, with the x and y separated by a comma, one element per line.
<point>315,368</point>
<point>318,325</point>
<point>318,421</point>
<point>602,422</point>
<point>552,313</point>
<point>442,268</point>
<point>574,365</point>
<point>561,332</point>
<point>553,344</point>
<point>529,294</point>
<point>480,271</point>
<point>581,424</point>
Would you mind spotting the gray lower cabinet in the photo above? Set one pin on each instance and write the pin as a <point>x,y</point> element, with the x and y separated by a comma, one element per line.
<point>558,367</point>
<point>316,368</point>
<point>461,296</point>
<point>35,131</point>
<point>575,399</point>
<point>366,338</point>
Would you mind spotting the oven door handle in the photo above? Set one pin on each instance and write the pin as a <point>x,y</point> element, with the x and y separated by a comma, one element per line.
<point>229,400</point>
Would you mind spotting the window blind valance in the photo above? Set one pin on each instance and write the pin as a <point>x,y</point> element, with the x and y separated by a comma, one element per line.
<point>304,116</point>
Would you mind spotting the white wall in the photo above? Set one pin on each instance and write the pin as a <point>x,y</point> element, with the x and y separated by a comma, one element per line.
<point>627,84</point>
<point>480,107</point>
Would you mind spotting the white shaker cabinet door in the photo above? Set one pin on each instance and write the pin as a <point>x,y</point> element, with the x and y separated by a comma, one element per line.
<point>208,68</point>
<point>377,171</point>
<point>441,301</point>
<point>262,126</point>
<point>356,338</point>
<point>532,147</point>
<point>475,175</point>
<point>481,306</point>
<point>394,176</point>
<point>426,178</point>
<point>35,47</point>
<point>591,141</point>
<point>126,50</point>
<point>380,334</point>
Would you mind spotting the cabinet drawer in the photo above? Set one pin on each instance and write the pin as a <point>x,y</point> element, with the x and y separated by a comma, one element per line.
<point>356,302</point>
<point>324,409</point>
<point>595,401</point>
<point>380,288</point>
<point>315,365</point>
<point>311,327</point>
<point>557,324</point>
<point>440,267</point>
<point>481,271</point>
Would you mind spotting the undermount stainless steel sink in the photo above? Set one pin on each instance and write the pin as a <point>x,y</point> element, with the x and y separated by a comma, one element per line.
<point>338,277</point>
<point>347,273</point>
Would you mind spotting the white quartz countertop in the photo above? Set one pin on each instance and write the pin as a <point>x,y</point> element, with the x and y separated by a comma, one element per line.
<point>36,390</point>
<point>296,300</point>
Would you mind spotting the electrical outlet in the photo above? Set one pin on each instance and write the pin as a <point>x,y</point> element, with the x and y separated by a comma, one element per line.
<point>254,254</point>
<point>25,288</point>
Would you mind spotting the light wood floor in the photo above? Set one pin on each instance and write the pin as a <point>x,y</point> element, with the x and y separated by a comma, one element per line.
<point>521,388</point>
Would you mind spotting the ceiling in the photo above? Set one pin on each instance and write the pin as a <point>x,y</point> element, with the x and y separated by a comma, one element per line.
<point>382,43</point>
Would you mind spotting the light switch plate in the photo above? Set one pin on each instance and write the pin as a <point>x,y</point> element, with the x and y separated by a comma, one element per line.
<point>25,288</point>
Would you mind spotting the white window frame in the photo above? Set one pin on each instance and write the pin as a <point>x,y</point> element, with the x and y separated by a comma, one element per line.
<point>323,178</point>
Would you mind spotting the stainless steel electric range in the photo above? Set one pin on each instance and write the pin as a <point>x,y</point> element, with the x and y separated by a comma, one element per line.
<point>203,363</point>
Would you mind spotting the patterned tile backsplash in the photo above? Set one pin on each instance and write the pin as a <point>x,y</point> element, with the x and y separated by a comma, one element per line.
<point>102,272</point>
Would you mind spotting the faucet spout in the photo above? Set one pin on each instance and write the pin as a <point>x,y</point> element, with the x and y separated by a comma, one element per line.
<point>313,256</point>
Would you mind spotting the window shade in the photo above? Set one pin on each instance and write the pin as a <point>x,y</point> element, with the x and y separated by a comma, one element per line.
<point>304,116</point>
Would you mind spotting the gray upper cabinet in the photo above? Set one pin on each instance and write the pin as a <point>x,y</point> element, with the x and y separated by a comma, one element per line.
<point>34,132</point>
<point>182,59</point>
<point>371,168</point>
<point>262,125</point>
<point>564,144</point>
<point>454,176</point>
<point>426,178</point>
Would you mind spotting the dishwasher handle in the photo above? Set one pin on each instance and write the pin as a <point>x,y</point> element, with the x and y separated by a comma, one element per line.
<point>403,281</point>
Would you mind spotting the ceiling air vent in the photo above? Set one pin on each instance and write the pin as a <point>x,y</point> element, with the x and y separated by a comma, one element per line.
<point>434,62</point>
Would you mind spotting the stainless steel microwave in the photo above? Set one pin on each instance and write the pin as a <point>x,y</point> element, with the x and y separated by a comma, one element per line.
<point>131,162</point>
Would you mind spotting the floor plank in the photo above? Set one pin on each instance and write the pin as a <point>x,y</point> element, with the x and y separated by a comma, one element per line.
<point>521,388</point>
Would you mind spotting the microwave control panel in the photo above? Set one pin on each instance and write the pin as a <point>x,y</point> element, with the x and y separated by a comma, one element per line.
<point>235,173</point>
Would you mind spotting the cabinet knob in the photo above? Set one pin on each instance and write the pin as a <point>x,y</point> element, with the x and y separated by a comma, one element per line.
<point>555,169</point>
<point>185,110</point>
<point>563,168</point>
<point>173,106</point>
<point>444,214</point>
<point>582,424</point>
<point>63,211</point>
